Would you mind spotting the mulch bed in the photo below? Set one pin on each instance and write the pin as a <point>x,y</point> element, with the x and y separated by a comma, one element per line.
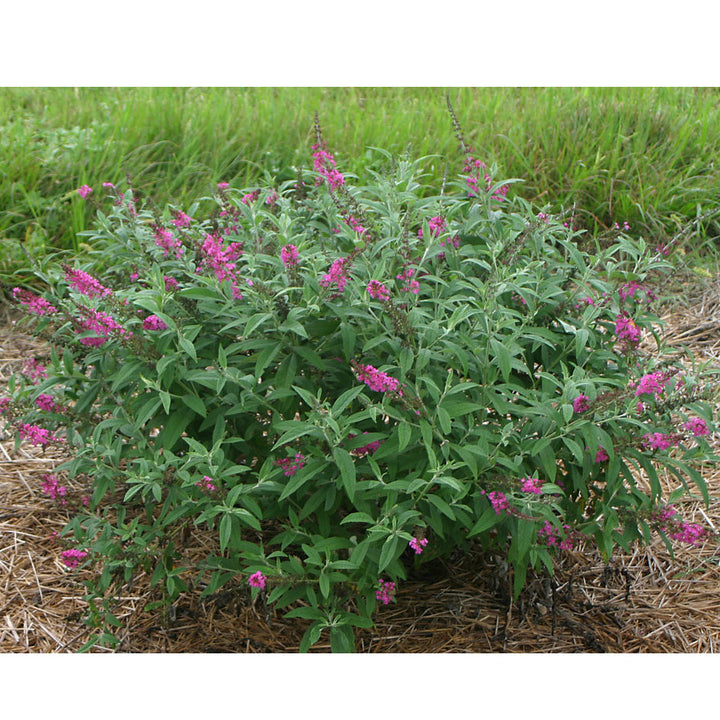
<point>641,602</point>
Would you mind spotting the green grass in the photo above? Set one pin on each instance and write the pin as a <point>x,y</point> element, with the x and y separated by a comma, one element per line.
<point>645,155</point>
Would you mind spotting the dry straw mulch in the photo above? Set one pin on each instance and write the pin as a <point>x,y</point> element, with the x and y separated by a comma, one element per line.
<point>643,601</point>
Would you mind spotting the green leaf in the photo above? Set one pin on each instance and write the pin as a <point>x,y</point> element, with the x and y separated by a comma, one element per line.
<point>188,347</point>
<point>195,404</point>
<point>404,433</point>
<point>225,531</point>
<point>487,520</point>
<point>299,429</point>
<point>346,464</point>
<point>387,554</point>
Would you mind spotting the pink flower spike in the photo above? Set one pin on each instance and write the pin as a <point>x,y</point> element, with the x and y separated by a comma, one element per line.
<point>532,485</point>
<point>581,403</point>
<point>84,191</point>
<point>290,256</point>
<point>418,545</point>
<point>223,186</point>
<point>697,426</point>
<point>386,592</point>
<point>153,322</point>
<point>378,291</point>
<point>257,580</point>
<point>72,558</point>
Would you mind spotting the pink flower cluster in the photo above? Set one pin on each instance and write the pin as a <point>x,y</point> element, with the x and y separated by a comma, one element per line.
<point>411,285</point>
<point>153,322</point>
<point>222,260</point>
<point>660,441</point>
<point>46,402</point>
<point>206,484</point>
<point>291,465</point>
<point>697,426</point>
<point>72,558</point>
<point>581,403</point>
<point>34,370</point>
<point>651,384</point>
<point>531,485</point>
<point>34,303</point>
<point>324,163</point>
<point>36,435</point>
<point>601,455</point>
<point>498,501</point>
<point>627,332</point>
<point>257,580</point>
<point>376,380</point>
<point>85,283</point>
<point>102,324</point>
<point>355,225</point>
<point>377,290</point>
<point>272,198</point>
<point>676,529</point>
<point>386,592</point>
<point>50,487</point>
<point>551,536</point>
<point>365,449</point>
<point>170,283</point>
<point>250,198</point>
<point>337,275</point>
<point>84,191</point>
<point>165,240</point>
<point>418,545</point>
<point>290,256</point>
<point>4,404</point>
<point>476,168</point>
<point>628,290</point>
<point>436,225</point>
<point>181,220</point>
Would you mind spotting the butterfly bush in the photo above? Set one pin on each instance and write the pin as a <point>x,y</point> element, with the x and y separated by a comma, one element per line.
<point>362,379</point>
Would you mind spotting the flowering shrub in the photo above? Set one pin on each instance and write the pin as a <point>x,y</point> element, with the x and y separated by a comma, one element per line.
<point>341,382</point>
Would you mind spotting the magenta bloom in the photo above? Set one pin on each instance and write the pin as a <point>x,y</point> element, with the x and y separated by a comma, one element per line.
<point>85,283</point>
<point>581,403</point>
<point>436,225</point>
<point>250,198</point>
<point>50,487</point>
<point>697,427</point>
<point>290,256</point>
<point>181,220</point>
<point>418,545</point>
<point>652,384</point>
<point>170,283</point>
<point>377,290</point>
<point>206,483</point>
<point>659,441</point>
<point>289,465</point>
<point>412,286</point>
<point>324,163</point>
<point>223,185</point>
<point>101,323</point>
<point>627,332</point>
<point>164,239</point>
<point>376,380</point>
<point>532,485</point>
<point>601,455</point>
<point>337,275</point>
<point>84,191</point>
<point>153,322</point>
<point>45,402</point>
<point>386,592</point>
<point>72,558</point>
<point>222,259</point>
<point>498,501</point>
<point>551,536</point>
<point>257,580</point>
<point>34,303</point>
<point>36,435</point>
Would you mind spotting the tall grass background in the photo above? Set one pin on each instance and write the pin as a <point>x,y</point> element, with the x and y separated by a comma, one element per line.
<point>642,155</point>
